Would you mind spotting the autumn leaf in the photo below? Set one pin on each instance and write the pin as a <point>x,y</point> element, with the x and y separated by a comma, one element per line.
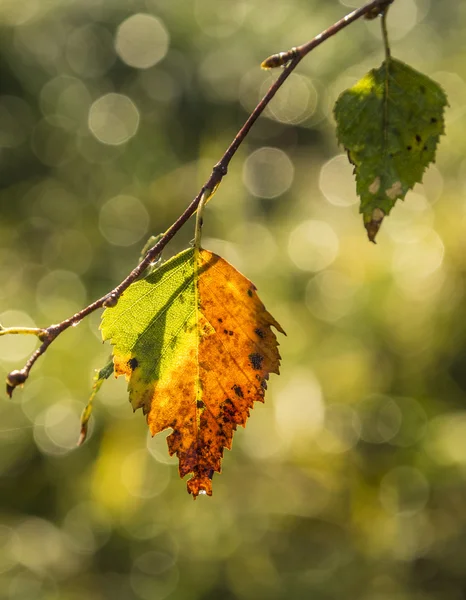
<point>390,123</point>
<point>196,345</point>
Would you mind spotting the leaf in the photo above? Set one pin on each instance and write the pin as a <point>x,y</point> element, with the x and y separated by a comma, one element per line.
<point>100,376</point>
<point>196,344</point>
<point>390,123</point>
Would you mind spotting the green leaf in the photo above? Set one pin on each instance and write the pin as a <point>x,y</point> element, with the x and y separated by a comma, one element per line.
<point>390,123</point>
<point>146,323</point>
<point>100,376</point>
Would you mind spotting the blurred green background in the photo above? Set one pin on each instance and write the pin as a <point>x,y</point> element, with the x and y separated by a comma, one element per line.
<point>350,482</point>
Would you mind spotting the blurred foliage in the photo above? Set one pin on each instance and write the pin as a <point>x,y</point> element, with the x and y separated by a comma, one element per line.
<point>350,482</point>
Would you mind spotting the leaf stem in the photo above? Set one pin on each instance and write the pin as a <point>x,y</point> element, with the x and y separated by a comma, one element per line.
<point>48,335</point>
<point>200,210</point>
<point>386,43</point>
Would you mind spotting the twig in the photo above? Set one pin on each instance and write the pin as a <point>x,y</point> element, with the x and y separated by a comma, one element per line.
<point>40,333</point>
<point>49,334</point>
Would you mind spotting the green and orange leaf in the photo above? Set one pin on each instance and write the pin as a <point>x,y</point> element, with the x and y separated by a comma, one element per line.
<point>196,345</point>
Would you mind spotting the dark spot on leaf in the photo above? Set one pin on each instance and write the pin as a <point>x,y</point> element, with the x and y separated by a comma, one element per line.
<point>230,333</point>
<point>220,320</point>
<point>433,120</point>
<point>133,363</point>
<point>250,293</point>
<point>423,89</point>
<point>256,360</point>
<point>418,138</point>
<point>260,333</point>
<point>225,331</point>
<point>238,391</point>
<point>390,155</point>
<point>425,148</point>
<point>200,404</point>
<point>409,147</point>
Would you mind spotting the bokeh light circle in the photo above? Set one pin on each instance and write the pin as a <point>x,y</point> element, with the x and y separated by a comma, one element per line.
<point>404,490</point>
<point>268,172</point>
<point>89,50</point>
<point>16,347</point>
<point>302,396</point>
<point>60,293</point>
<point>313,245</point>
<point>341,430</point>
<point>381,419</point>
<point>141,41</point>
<point>113,119</point>
<point>337,182</point>
<point>142,476</point>
<point>123,220</point>
<point>296,103</point>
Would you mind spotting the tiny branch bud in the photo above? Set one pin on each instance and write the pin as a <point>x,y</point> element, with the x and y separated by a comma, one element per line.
<point>14,379</point>
<point>280,59</point>
<point>111,301</point>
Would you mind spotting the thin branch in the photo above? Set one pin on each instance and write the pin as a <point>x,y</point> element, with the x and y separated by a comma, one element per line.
<point>40,333</point>
<point>370,10</point>
<point>48,335</point>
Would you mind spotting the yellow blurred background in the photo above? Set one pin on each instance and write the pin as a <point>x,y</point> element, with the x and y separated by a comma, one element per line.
<point>350,482</point>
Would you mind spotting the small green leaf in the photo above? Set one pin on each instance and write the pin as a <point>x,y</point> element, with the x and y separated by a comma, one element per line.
<point>390,123</point>
<point>100,376</point>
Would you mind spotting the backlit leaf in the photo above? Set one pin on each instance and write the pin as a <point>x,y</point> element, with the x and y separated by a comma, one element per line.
<point>390,123</point>
<point>99,378</point>
<point>196,344</point>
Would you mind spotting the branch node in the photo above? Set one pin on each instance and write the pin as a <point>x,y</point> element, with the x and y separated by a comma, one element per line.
<point>53,331</point>
<point>111,301</point>
<point>378,10</point>
<point>44,335</point>
<point>220,169</point>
